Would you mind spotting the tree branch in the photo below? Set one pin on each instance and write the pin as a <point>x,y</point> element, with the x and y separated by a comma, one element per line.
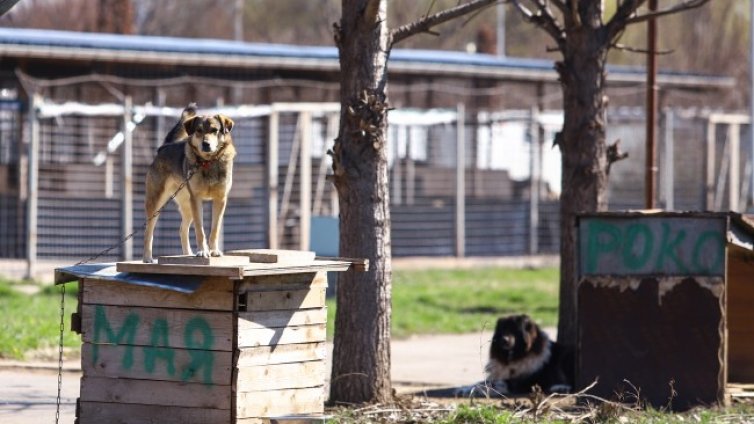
<point>680,7</point>
<point>543,18</point>
<point>426,23</point>
<point>626,14</point>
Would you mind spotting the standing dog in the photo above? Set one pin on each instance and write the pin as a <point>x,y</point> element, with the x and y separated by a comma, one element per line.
<point>200,149</point>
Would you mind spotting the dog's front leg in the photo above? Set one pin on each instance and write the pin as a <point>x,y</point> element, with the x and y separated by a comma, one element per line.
<point>218,211</point>
<point>201,240</point>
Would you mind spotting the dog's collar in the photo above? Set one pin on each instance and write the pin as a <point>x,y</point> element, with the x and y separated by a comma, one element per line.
<point>205,164</point>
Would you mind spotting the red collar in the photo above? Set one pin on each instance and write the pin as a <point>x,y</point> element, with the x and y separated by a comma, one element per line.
<point>205,164</point>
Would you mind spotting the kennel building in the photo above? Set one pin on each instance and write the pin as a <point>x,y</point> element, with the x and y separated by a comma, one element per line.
<point>664,307</point>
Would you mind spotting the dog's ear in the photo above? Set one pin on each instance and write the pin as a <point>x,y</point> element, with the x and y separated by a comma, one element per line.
<point>190,125</point>
<point>225,123</point>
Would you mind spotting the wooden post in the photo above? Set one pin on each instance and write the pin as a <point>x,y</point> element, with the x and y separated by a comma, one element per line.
<point>272,180</point>
<point>396,183</point>
<point>534,177</point>
<point>32,186</point>
<point>669,161</point>
<point>709,160</point>
<point>734,174</point>
<point>461,181</point>
<point>161,131</point>
<point>127,208</point>
<point>306,181</point>
<point>410,171</point>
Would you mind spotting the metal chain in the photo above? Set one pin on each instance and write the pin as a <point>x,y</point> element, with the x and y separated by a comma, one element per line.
<point>185,182</point>
<point>60,352</point>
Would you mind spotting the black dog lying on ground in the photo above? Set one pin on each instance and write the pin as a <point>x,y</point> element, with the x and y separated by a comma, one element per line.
<point>523,356</point>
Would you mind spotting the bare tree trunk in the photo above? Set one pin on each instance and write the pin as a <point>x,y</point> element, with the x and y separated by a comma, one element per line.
<point>361,354</point>
<point>584,171</point>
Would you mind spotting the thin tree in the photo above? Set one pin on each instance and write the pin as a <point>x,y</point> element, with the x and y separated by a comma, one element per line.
<point>584,38</point>
<point>361,354</point>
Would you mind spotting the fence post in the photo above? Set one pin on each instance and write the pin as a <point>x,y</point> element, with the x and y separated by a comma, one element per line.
<point>32,186</point>
<point>668,160</point>
<point>272,179</point>
<point>709,161</point>
<point>126,204</point>
<point>534,177</point>
<point>305,214</point>
<point>461,181</point>
<point>734,175</point>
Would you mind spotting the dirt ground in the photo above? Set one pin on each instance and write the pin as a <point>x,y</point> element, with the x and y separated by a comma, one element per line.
<point>420,364</point>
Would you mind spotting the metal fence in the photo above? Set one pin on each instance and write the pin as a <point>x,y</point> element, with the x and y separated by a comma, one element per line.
<point>461,184</point>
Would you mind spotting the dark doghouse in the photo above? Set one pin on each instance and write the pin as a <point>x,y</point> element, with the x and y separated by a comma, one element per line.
<point>664,307</point>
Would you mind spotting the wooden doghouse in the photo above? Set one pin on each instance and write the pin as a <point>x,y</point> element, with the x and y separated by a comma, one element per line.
<point>228,343</point>
<point>665,307</point>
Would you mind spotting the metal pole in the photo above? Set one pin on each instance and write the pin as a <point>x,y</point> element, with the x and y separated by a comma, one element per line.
<point>734,172</point>
<point>461,181</point>
<point>305,224</point>
<point>669,161</point>
<point>500,44</point>
<point>751,97</point>
<point>238,20</point>
<point>32,186</point>
<point>272,180</point>
<point>127,207</point>
<point>534,177</point>
<point>651,169</point>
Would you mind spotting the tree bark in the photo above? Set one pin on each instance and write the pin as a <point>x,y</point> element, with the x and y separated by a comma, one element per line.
<point>584,161</point>
<point>361,353</point>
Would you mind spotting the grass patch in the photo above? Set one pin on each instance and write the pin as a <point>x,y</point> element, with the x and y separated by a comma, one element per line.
<point>486,413</point>
<point>32,322</point>
<point>462,301</point>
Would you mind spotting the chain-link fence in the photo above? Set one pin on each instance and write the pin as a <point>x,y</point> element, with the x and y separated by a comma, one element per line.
<point>461,183</point>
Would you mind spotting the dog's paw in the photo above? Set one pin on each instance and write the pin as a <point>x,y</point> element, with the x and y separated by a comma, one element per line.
<point>215,252</point>
<point>149,260</point>
<point>203,253</point>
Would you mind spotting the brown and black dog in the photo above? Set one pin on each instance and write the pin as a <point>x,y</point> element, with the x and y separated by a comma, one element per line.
<point>523,356</point>
<point>199,148</point>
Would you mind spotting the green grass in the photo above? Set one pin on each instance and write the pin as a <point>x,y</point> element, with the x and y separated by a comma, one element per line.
<point>32,322</point>
<point>461,301</point>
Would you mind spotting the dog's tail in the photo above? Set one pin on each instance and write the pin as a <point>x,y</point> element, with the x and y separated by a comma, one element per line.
<point>179,132</point>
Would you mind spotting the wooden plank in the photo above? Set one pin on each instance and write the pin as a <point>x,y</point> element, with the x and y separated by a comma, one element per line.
<point>213,294</point>
<point>158,326</point>
<point>150,392</point>
<point>227,260</point>
<point>279,256</point>
<point>234,272</point>
<point>285,299</point>
<point>257,269</point>
<point>123,413</point>
<point>280,376</point>
<point>281,402</point>
<point>280,318</point>
<point>161,364</point>
<point>358,264</point>
<point>283,282</point>
<point>280,354</point>
<point>282,336</point>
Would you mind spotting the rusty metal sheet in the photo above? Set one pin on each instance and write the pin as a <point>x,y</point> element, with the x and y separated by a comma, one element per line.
<point>652,245</point>
<point>657,336</point>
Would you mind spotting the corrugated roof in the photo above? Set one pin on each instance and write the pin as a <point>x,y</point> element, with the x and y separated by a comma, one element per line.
<point>66,45</point>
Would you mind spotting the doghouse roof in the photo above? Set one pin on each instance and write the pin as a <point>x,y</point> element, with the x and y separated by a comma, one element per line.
<point>187,279</point>
<point>80,46</point>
